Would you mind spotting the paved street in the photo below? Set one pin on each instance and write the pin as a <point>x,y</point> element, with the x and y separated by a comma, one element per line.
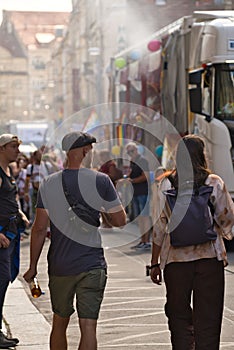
<point>132,314</point>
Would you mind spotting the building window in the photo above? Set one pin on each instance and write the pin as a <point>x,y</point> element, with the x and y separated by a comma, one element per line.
<point>160,2</point>
<point>39,84</point>
<point>3,106</point>
<point>219,2</point>
<point>18,102</point>
<point>38,63</point>
<point>118,3</point>
<point>17,84</point>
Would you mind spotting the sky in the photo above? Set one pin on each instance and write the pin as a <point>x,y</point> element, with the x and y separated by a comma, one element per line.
<point>35,5</point>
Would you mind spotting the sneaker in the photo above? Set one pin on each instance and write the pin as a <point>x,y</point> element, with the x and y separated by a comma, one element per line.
<point>24,235</point>
<point>6,342</point>
<point>138,246</point>
<point>147,246</point>
<point>144,246</point>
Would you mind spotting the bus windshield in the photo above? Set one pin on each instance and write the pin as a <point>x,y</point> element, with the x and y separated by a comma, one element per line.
<point>224,91</point>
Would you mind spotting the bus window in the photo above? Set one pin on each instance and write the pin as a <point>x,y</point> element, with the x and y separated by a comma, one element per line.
<point>224,91</point>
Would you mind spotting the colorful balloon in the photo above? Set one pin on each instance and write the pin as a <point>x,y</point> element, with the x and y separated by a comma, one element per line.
<point>116,150</point>
<point>135,55</point>
<point>154,45</point>
<point>159,151</point>
<point>120,62</point>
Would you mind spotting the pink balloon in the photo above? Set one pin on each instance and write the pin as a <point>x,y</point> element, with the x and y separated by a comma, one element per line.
<point>154,45</point>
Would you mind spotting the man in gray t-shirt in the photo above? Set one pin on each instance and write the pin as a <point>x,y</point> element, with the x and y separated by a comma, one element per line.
<point>72,200</point>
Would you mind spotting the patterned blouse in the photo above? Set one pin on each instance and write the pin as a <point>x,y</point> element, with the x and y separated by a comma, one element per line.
<point>224,221</point>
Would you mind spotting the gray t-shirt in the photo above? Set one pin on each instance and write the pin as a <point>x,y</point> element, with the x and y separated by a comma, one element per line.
<point>73,250</point>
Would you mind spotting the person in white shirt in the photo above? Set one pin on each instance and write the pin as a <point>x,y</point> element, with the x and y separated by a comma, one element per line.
<point>36,172</point>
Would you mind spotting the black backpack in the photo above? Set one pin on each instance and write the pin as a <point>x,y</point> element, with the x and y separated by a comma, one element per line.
<point>191,220</point>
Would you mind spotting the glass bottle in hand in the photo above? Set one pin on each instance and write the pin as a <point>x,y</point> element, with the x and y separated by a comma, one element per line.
<point>35,288</point>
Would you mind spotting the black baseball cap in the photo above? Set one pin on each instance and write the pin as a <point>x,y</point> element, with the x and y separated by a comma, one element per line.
<point>77,139</point>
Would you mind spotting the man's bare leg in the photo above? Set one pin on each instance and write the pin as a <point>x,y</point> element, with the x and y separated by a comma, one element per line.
<point>58,338</point>
<point>88,339</point>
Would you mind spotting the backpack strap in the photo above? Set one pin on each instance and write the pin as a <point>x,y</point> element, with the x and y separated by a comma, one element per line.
<point>68,196</point>
<point>72,201</point>
<point>79,208</point>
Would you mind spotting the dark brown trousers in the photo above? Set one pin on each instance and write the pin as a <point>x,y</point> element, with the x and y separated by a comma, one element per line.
<point>194,306</point>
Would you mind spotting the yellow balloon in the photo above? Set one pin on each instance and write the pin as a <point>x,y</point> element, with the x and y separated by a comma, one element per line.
<point>138,118</point>
<point>115,150</point>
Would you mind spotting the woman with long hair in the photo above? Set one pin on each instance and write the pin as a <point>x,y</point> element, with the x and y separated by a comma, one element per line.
<point>194,274</point>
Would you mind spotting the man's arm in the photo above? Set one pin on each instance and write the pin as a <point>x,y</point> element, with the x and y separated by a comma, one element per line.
<point>26,188</point>
<point>116,216</point>
<point>4,241</point>
<point>24,218</point>
<point>142,178</point>
<point>38,235</point>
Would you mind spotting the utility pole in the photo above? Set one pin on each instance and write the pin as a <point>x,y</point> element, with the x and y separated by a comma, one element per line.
<point>99,63</point>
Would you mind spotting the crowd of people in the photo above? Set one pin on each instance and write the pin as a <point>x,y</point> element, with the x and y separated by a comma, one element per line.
<point>30,171</point>
<point>67,199</point>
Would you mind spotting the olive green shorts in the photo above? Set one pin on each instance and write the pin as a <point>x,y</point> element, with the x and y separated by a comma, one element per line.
<point>88,287</point>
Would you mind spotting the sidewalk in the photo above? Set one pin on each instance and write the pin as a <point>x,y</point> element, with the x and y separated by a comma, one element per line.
<point>22,320</point>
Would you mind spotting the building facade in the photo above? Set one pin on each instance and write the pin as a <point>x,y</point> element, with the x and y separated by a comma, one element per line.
<point>27,79</point>
<point>54,64</point>
<point>14,76</point>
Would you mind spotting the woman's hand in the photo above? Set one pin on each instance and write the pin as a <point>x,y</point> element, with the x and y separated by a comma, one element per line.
<point>156,275</point>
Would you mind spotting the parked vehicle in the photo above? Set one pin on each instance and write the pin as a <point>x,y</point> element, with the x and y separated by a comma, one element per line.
<point>186,75</point>
<point>185,72</point>
<point>37,133</point>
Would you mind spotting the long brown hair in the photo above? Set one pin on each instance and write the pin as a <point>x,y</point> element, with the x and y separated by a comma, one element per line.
<point>191,164</point>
